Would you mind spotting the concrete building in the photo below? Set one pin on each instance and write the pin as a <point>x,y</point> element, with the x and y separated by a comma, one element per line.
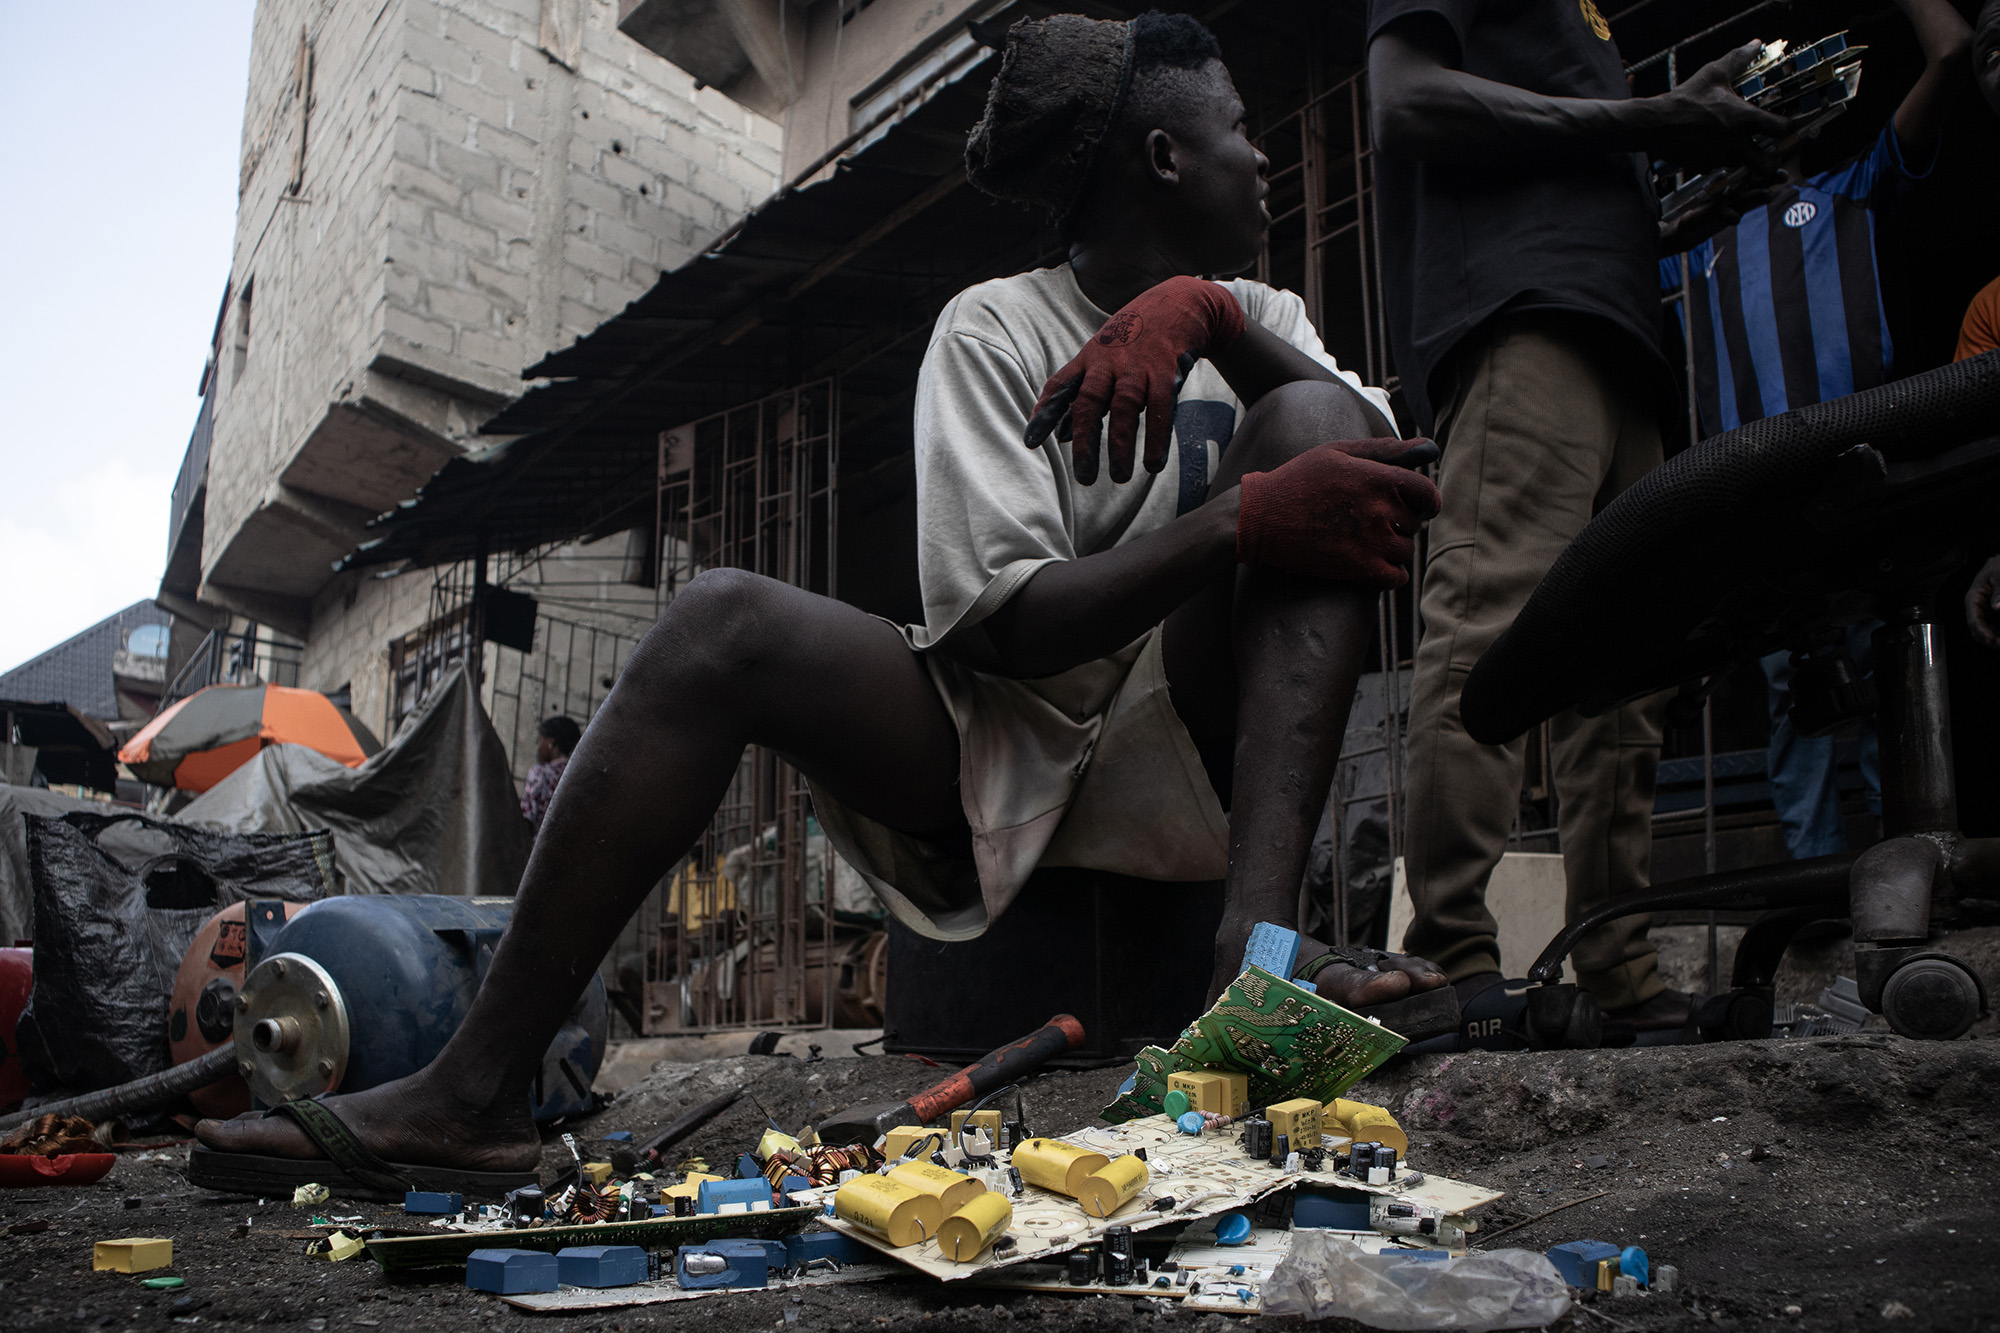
<point>434,195</point>
<point>831,72</point>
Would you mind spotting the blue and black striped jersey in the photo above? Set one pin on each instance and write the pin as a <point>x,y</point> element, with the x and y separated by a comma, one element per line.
<point>1786,305</point>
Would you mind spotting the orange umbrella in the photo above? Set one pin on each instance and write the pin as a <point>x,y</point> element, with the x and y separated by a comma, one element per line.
<point>210,734</point>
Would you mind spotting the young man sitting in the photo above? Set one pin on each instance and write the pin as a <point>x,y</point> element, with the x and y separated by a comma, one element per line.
<point>1104,666</point>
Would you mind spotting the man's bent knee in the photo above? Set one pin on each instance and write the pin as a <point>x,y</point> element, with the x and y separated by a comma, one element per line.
<point>1292,418</point>
<point>724,623</point>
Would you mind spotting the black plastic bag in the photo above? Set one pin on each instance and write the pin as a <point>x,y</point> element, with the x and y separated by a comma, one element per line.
<point>109,937</point>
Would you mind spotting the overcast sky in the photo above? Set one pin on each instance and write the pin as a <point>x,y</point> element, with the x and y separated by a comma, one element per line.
<point>118,170</point>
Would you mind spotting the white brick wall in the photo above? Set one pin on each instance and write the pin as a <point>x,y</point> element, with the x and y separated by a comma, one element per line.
<point>470,202</point>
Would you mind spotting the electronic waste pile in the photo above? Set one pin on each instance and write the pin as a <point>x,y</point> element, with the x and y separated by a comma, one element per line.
<point>1214,1155</point>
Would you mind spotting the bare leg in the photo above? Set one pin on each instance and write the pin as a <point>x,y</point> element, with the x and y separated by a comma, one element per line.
<point>1270,715</point>
<point>737,660</point>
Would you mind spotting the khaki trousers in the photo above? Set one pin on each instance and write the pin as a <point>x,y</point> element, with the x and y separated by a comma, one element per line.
<point>1543,417</point>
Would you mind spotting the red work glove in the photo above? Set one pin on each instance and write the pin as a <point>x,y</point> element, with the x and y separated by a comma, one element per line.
<point>1136,363</point>
<point>1339,511</point>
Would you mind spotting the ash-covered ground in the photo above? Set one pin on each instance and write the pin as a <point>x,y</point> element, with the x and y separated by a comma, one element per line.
<point>1830,1183</point>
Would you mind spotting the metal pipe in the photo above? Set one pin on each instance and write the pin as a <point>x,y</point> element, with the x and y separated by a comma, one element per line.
<point>1708,831</point>
<point>141,1094</point>
<point>1918,793</point>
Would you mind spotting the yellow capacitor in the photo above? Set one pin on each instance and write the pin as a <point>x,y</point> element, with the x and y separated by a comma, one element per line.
<point>1215,1090</point>
<point>690,1187</point>
<point>775,1141</point>
<point>132,1254</point>
<point>986,1120</point>
<point>902,1138</point>
<point>1373,1124</point>
<point>952,1190</point>
<point>1055,1165</point>
<point>972,1228</point>
<point>1298,1120</point>
<point>889,1208</point>
<point>1111,1186</point>
<point>1343,1110</point>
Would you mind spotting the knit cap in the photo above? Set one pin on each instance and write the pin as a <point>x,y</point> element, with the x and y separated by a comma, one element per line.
<point>1061,84</point>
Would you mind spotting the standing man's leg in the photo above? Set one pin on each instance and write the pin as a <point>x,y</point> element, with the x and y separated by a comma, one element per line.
<point>1530,424</point>
<point>1606,772</point>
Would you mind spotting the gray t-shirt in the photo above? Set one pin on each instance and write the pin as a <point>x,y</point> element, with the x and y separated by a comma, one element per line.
<point>989,510</point>
<point>1090,767</point>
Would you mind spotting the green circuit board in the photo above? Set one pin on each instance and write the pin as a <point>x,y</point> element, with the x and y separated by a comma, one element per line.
<point>1288,1041</point>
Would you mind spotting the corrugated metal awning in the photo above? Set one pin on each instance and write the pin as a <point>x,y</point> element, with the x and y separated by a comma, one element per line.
<point>842,276</point>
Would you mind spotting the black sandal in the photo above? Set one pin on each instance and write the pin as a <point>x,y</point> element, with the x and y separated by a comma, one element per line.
<point>1415,1017</point>
<point>349,1170</point>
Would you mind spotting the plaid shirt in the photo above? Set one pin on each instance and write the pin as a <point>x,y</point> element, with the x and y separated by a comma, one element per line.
<point>542,780</point>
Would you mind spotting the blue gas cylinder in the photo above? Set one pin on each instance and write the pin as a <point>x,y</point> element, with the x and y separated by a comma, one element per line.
<point>407,968</point>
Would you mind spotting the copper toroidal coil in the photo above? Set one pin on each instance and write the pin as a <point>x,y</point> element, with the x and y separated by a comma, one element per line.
<point>827,1162</point>
<point>592,1205</point>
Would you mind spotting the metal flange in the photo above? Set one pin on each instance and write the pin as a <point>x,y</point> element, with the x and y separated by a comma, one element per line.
<point>291,1030</point>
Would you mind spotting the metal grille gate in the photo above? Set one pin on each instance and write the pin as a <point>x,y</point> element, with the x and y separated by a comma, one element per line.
<point>742,933</point>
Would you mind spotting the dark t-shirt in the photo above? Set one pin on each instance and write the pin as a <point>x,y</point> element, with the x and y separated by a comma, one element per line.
<point>1461,242</point>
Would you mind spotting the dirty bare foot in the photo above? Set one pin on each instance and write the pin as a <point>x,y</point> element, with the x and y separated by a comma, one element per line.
<point>407,1121</point>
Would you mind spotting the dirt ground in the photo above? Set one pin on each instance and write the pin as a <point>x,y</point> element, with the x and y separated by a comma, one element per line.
<point>1830,1183</point>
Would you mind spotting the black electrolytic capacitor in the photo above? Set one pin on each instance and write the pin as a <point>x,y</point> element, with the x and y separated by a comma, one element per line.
<point>1385,1156</point>
<point>1257,1138</point>
<point>1119,1255</point>
<point>1082,1267</point>
<point>1281,1148</point>
<point>1119,1268</point>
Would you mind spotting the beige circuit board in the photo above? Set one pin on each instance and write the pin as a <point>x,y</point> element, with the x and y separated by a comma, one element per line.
<point>1209,1286</point>
<point>1203,1175</point>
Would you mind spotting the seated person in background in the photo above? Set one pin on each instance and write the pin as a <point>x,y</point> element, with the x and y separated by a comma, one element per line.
<point>1102,670</point>
<point>555,741</point>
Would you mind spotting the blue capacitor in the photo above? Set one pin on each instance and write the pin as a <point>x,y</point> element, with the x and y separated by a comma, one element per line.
<point>1232,1229</point>
<point>1272,948</point>
<point>1190,1122</point>
<point>1632,1262</point>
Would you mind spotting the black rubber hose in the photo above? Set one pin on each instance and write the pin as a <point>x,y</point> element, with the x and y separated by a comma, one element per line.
<point>1543,662</point>
<point>141,1094</point>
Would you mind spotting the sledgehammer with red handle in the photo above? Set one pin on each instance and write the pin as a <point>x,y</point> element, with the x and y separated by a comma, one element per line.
<point>1015,1060</point>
